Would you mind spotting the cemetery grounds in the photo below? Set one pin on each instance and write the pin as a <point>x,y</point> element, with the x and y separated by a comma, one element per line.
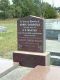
<point>8,40</point>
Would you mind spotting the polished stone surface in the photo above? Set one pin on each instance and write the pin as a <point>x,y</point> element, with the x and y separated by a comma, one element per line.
<point>44,73</point>
<point>31,59</point>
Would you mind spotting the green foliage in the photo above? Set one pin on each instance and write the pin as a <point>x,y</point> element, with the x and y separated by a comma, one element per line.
<point>1,15</point>
<point>48,11</point>
<point>21,8</point>
<point>4,6</point>
<point>11,11</point>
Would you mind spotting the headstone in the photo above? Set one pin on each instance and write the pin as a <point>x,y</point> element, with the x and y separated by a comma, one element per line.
<point>31,42</point>
<point>31,34</point>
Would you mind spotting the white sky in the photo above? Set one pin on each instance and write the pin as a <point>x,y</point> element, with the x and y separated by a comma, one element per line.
<point>56,3</point>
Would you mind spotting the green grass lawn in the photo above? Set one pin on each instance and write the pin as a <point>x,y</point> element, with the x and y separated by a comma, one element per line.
<point>8,39</point>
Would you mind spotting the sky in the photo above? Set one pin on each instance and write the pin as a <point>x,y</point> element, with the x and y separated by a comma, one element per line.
<point>55,3</point>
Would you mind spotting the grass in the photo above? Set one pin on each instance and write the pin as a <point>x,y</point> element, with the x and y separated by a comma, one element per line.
<point>8,39</point>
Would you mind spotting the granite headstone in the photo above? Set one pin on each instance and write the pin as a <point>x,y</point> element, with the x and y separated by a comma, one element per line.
<point>31,34</point>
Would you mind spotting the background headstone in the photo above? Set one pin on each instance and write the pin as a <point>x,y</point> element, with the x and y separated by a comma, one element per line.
<point>31,34</point>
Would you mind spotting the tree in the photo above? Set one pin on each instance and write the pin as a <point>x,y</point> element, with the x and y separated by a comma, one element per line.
<point>28,7</point>
<point>4,6</point>
<point>11,11</point>
<point>22,8</point>
<point>48,11</point>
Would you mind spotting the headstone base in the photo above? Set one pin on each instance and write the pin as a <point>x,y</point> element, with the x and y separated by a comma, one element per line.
<point>31,59</point>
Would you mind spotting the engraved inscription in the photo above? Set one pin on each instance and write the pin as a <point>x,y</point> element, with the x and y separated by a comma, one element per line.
<point>30,34</point>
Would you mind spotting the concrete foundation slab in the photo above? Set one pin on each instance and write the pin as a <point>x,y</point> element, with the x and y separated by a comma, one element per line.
<point>6,66</point>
